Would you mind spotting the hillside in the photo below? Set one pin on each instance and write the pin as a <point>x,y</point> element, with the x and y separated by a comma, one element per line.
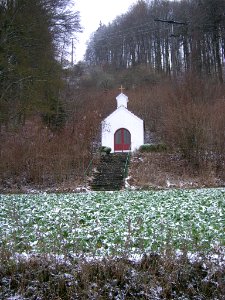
<point>188,120</point>
<point>50,112</point>
<point>146,171</point>
<point>170,170</point>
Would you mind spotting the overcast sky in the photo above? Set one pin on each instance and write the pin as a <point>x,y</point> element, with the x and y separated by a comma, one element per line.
<point>91,13</point>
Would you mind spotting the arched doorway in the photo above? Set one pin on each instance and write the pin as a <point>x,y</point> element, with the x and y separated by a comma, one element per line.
<point>122,140</point>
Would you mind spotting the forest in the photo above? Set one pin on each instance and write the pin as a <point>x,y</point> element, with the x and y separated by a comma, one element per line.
<point>169,55</point>
<point>172,37</point>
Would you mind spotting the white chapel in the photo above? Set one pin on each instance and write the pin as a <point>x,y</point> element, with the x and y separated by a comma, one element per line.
<point>122,131</point>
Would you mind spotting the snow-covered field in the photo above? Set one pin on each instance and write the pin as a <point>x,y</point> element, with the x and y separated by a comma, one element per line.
<point>113,222</point>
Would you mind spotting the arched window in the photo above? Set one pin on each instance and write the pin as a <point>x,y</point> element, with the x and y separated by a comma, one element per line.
<point>122,140</point>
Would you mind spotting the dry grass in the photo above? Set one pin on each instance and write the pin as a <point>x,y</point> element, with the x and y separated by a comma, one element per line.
<point>166,170</point>
<point>155,276</point>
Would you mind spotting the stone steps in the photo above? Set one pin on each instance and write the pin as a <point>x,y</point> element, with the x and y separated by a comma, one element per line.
<point>109,173</point>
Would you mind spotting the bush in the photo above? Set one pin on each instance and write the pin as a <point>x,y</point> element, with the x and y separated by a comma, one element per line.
<point>193,121</point>
<point>105,150</point>
<point>153,148</point>
<point>154,276</point>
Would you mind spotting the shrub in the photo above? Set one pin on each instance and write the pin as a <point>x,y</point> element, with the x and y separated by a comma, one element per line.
<point>193,121</point>
<point>153,148</point>
<point>154,276</point>
<point>105,150</point>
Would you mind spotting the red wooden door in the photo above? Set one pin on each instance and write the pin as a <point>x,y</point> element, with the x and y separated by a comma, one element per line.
<point>122,140</point>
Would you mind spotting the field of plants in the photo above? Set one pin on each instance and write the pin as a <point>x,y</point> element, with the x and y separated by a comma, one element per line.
<point>111,223</point>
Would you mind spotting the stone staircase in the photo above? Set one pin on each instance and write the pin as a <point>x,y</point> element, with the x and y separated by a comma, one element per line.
<point>108,175</point>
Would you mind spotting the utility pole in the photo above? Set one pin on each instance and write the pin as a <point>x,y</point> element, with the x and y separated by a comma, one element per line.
<point>172,52</point>
<point>72,53</point>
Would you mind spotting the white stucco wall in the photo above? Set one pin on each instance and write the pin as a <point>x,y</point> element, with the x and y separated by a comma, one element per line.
<point>122,100</point>
<point>122,118</point>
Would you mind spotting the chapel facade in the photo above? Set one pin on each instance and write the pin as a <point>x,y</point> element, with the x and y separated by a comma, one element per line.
<point>122,130</point>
